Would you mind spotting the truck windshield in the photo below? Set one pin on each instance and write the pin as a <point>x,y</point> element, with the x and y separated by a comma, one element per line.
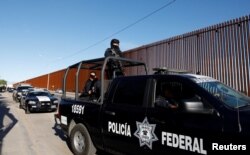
<point>226,94</point>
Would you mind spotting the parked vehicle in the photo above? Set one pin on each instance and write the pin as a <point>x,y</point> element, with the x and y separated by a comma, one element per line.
<point>2,88</point>
<point>209,118</point>
<point>59,91</point>
<point>23,96</point>
<point>10,89</point>
<point>17,94</point>
<point>38,100</point>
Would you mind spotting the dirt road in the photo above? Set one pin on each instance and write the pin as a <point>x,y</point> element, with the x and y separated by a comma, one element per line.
<point>28,134</point>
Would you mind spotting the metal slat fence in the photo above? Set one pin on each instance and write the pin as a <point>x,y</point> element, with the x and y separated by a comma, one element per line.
<point>220,51</point>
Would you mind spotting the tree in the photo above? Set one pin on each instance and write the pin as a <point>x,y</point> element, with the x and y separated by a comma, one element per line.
<point>3,82</point>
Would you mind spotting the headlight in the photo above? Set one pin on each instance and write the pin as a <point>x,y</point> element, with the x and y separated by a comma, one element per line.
<point>19,93</point>
<point>31,102</point>
<point>55,102</point>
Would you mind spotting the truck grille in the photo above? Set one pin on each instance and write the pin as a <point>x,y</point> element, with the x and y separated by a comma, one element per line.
<point>43,104</point>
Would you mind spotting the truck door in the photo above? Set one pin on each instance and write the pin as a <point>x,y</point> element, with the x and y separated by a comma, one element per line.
<point>187,127</point>
<point>124,106</point>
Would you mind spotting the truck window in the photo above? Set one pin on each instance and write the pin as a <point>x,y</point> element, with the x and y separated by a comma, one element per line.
<point>173,95</point>
<point>227,95</point>
<point>167,94</point>
<point>130,92</point>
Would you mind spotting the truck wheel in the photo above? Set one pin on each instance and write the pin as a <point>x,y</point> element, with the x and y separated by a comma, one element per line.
<point>80,141</point>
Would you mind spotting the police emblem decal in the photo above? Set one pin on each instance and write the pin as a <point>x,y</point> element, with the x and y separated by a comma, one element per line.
<point>145,133</point>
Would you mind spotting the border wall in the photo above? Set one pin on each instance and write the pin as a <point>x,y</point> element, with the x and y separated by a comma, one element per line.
<point>220,51</point>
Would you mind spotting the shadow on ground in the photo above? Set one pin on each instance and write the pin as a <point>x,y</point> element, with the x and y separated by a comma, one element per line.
<point>5,126</point>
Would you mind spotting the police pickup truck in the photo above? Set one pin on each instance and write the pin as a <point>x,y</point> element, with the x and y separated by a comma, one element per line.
<point>208,117</point>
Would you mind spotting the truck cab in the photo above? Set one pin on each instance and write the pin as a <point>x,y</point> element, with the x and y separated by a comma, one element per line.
<point>209,117</point>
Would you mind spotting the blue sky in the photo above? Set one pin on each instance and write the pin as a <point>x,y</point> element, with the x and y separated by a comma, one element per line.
<point>42,36</point>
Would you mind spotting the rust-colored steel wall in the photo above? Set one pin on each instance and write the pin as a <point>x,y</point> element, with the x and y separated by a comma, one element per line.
<point>40,82</point>
<point>51,81</point>
<point>55,80</point>
<point>220,51</point>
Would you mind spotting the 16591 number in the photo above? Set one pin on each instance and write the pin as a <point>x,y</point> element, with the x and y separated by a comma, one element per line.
<point>78,109</point>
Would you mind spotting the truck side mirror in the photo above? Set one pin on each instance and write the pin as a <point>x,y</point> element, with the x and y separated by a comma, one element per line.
<point>197,107</point>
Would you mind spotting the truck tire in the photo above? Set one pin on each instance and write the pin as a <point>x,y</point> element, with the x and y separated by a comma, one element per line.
<point>80,141</point>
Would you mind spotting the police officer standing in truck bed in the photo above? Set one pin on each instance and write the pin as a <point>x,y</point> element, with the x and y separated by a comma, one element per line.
<point>114,67</point>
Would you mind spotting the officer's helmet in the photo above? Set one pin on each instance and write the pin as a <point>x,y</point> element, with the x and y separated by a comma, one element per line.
<point>114,42</point>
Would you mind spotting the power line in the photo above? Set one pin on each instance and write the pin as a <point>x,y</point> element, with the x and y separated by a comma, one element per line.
<point>121,30</point>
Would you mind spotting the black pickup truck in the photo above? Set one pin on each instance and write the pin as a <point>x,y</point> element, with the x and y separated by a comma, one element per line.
<point>208,117</point>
